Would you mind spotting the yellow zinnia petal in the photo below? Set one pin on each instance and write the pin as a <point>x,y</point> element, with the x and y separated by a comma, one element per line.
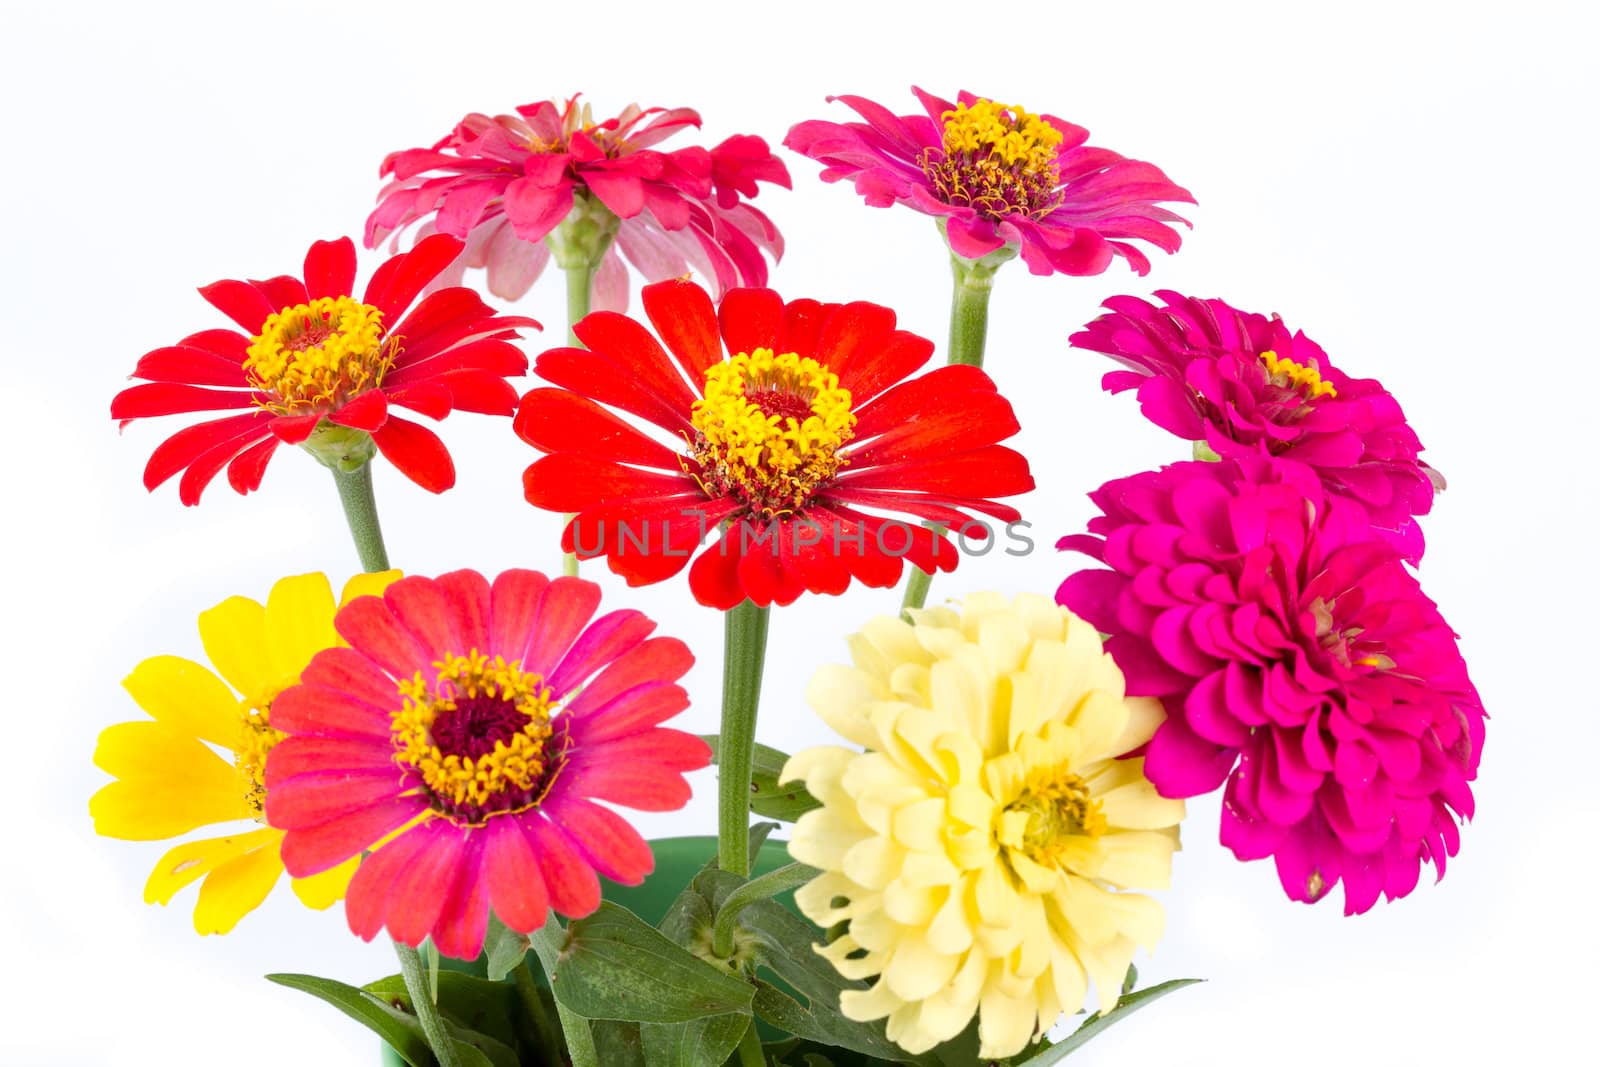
<point>299,622</point>
<point>322,891</point>
<point>234,634</point>
<point>371,584</point>
<point>193,860</point>
<point>236,888</point>
<point>187,696</point>
<point>171,784</point>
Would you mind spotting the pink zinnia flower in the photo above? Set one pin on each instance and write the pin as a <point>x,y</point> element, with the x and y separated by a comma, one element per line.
<point>1000,176</point>
<point>481,723</point>
<point>1244,385</point>
<point>505,183</point>
<point>1298,660</point>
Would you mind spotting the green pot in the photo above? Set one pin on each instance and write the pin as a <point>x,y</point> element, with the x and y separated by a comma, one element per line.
<point>678,860</point>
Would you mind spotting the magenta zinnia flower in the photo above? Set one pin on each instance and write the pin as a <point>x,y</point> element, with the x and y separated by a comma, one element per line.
<point>1244,385</point>
<point>482,723</point>
<point>505,183</point>
<point>1298,660</point>
<point>1000,176</point>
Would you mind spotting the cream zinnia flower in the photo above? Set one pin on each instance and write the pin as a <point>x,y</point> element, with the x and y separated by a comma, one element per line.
<point>976,847</point>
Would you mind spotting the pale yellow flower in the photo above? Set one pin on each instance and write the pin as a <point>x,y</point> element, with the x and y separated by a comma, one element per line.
<point>978,848</point>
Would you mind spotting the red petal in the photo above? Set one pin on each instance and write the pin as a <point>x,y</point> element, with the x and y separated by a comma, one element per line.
<point>240,301</point>
<point>417,894</point>
<point>189,443</point>
<point>417,452</point>
<point>167,398</point>
<point>949,425</point>
<point>937,390</point>
<point>597,376</point>
<point>514,609</point>
<point>802,327</point>
<point>281,292</point>
<point>245,472</point>
<point>331,268</point>
<point>490,356</point>
<point>750,319</point>
<point>294,429</point>
<point>555,420</point>
<point>573,481</point>
<point>464,921</point>
<point>900,354</point>
<point>511,867</point>
<point>367,412</point>
<point>476,391</point>
<point>714,577</point>
<point>851,338</point>
<point>427,398</point>
<point>983,472</point>
<point>623,342</point>
<point>417,268</point>
<point>430,325</point>
<point>194,366</point>
<point>682,314</point>
<point>230,345</point>
<point>204,468</point>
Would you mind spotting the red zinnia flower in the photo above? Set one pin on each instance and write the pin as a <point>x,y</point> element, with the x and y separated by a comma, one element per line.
<point>1000,176</point>
<point>781,442</point>
<point>479,724</point>
<point>312,355</point>
<point>505,183</point>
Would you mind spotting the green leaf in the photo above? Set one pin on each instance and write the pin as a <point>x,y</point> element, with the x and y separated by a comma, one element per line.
<point>618,1044</point>
<point>1098,1023</point>
<point>704,1042</point>
<point>398,1027</point>
<point>504,948</point>
<point>783,943</point>
<point>615,966</point>
<point>785,803</point>
<point>471,1003</point>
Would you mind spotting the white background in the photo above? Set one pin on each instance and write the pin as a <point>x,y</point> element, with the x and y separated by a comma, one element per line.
<point>1411,183</point>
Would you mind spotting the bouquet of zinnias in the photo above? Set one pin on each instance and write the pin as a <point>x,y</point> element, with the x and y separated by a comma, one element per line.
<point>966,868</point>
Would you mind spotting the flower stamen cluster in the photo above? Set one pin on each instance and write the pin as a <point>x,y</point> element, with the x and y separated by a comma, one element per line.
<point>315,356</point>
<point>478,736</point>
<point>1055,805</point>
<point>769,430</point>
<point>257,737</point>
<point>1303,377</point>
<point>997,160</point>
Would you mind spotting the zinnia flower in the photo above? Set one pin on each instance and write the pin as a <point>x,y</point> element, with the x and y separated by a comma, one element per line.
<point>808,419</point>
<point>1244,385</point>
<point>1000,176</point>
<point>482,723</point>
<point>315,366</point>
<point>1298,660</point>
<point>976,848</point>
<point>170,779</point>
<point>507,184</point>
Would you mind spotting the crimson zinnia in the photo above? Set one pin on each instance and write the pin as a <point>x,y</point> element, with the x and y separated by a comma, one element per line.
<point>1244,385</point>
<point>780,443</point>
<point>1298,660</point>
<point>313,359</point>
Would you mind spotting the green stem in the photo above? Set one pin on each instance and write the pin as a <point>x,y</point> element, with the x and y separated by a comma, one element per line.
<point>580,283</point>
<point>533,1004</point>
<point>969,330</point>
<point>546,945</point>
<point>427,1012</point>
<point>745,652</point>
<point>361,513</point>
<point>750,1054</point>
<point>768,885</point>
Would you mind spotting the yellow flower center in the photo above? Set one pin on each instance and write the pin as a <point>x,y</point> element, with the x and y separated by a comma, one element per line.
<point>1058,805</point>
<point>1288,374</point>
<point>479,736</point>
<point>769,430</point>
<point>256,739</point>
<point>312,357</point>
<point>999,160</point>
